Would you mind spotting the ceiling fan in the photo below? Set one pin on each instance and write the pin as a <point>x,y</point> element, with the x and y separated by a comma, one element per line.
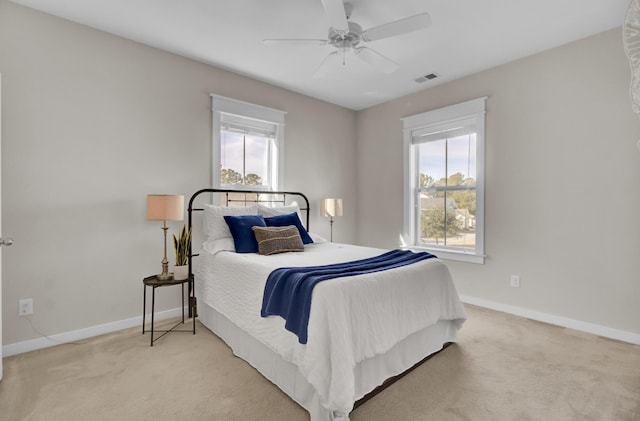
<point>347,36</point>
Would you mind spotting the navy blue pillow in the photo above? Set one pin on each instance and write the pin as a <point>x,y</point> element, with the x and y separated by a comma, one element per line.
<point>243,236</point>
<point>289,219</point>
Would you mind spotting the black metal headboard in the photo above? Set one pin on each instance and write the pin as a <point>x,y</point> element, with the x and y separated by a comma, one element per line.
<point>230,197</point>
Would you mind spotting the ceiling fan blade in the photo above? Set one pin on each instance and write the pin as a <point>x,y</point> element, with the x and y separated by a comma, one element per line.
<point>398,27</point>
<point>295,41</point>
<point>326,64</point>
<point>377,60</point>
<point>337,15</point>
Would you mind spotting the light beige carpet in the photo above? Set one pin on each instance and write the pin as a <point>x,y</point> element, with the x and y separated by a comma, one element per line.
<point>502,368</point>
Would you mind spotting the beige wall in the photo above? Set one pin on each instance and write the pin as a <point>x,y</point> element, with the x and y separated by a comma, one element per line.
<point>562,182</point>
<point>91,124</point>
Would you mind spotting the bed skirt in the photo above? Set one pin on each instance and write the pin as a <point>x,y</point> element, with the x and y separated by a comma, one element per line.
<point>369,373</point>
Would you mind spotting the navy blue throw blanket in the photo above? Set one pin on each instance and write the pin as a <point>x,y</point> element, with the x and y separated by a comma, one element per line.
<point>287,292</point>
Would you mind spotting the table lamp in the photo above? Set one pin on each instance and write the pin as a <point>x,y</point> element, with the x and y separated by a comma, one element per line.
<point>331,207</point>
<point>165,207</point>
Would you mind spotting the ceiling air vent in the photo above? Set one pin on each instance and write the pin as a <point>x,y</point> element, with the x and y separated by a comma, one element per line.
<point>425,78</point>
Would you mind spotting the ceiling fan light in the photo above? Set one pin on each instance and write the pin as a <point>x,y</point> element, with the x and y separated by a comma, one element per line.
<point>377,60</point>
<point>322,70</point>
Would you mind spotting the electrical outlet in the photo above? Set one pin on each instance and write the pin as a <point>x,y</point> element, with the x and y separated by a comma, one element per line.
<point>25,307</point>
<point>515,281</point>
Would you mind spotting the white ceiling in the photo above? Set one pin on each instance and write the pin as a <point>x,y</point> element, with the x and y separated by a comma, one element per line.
<point>466,36</point>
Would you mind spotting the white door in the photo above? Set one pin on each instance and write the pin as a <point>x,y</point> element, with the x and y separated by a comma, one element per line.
<point>1,239</point>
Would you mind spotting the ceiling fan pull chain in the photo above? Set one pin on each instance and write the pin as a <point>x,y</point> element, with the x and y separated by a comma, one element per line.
<point>344,53</point>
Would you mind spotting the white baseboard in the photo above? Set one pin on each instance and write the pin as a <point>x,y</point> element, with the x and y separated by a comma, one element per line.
<point>76,335</point>
<point>604,331</point>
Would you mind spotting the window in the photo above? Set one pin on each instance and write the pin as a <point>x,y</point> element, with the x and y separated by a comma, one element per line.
<point>444,181</point>
<point>247,145</point>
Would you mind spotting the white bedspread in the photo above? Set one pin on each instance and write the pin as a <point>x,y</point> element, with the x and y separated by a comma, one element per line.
<point>351,319</point>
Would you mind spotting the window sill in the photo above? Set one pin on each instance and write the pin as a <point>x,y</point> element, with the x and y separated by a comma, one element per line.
<point>248,187</point>
<point>452,255</point>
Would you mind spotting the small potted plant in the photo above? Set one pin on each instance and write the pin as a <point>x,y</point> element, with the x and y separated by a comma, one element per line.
<point>182,244</point>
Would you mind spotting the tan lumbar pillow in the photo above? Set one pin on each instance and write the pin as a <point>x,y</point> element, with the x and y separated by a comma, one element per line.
<point>273,240</point>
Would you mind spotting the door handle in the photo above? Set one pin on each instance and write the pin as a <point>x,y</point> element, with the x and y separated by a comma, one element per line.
<point>6,241</point>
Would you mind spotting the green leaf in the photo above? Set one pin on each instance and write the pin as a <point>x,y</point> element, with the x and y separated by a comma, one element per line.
<point>182,245</point>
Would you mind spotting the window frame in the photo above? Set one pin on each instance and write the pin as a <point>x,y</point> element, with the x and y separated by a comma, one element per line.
<point>475,110</point>
<point>244,110</point>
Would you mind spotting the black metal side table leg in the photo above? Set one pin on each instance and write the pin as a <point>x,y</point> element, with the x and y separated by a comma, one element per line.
<point>144,305</point>
<point>193,320</point>
<point>153,309</point>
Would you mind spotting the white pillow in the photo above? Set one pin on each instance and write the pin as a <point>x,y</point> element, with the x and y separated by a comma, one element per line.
<point>215,246</point>
<point>267,211</point>
<point>215,227</point>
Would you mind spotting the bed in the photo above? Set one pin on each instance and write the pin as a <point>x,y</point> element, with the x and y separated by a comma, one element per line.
<point>362,329</point>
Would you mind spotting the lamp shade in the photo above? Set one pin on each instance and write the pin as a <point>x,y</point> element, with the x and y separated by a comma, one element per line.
<point>165,207</point>
<point>331,207</point>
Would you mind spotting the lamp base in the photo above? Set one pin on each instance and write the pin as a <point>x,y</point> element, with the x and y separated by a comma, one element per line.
<point>164,276</point>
